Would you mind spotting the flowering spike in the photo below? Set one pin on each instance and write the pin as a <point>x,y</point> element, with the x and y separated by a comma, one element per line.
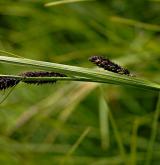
<point>108,65</point>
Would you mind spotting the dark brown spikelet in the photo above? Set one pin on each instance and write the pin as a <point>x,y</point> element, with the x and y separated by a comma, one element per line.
<point>108,65</point>
<point>7,82</point>
<point>41,74</point>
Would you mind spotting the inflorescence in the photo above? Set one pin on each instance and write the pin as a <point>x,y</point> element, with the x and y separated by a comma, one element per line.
<point>7,82</point>
<point>41,74</point>
<point>108,65</point>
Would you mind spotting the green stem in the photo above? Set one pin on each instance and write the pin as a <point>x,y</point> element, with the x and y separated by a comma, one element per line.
<point>153,133</point>
<point>26,79</point>
<point>103,76</point>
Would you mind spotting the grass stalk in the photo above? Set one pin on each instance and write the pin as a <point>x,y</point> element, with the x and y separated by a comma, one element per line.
<point>153,133</point>
<point>76,145</point>
<point>104,123</point>
<point>49,4</point>
<point>94,76</point>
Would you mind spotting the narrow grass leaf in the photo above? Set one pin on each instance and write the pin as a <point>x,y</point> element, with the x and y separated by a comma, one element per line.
<point>104,124</point>
<point>77,143</point>
<point>135,23</point>
<point>63,2</point>
<point>97,76</point>
<point>133,146</point>
<point>118,138</point>
<point>153,133</point>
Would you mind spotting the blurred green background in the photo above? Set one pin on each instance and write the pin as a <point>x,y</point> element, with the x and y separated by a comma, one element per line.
<point>75,123</point>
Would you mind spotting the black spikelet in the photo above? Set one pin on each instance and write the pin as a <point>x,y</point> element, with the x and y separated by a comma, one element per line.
<point>108,65</point>
<point>7,82</point>
<point>41,74</point>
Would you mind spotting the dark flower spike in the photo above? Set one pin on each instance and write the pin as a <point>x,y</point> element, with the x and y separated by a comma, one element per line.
<point>108,65</point>
<point>7,82</point>
<point>41,74</point>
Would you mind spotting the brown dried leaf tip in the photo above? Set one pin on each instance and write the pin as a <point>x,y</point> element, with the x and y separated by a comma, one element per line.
<point>41,74</point>
<point>108,65</point>
<point>7,82</point>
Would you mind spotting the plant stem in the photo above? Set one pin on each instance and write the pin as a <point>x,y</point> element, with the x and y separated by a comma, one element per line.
<point>102,76</point>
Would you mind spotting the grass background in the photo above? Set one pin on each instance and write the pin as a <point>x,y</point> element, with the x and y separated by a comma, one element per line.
<point>73,122</point>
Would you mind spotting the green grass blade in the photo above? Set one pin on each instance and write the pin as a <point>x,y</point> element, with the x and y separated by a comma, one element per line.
<point>63,2</point>
<point>101,76</point>
<point>104,124</point>
<point>132,22</point>
<point>153,133</point>
<point>133,144</point>
<point>76,145</point>
<point>118,137</point>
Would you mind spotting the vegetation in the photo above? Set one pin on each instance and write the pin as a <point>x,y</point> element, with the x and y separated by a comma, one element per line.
<point>92,116</point>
